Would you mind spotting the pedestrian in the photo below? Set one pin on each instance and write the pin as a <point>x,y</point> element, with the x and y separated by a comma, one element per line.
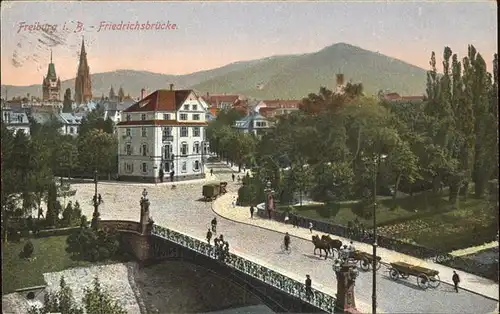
<point>456,280</point>
<point>233,203</point>
<point>209,235</point>
<point>212,172</point>
<point>251,211</point>
<point>99,199</point>
<point>239,179</point>
<point>286,218</point>
<point>295,221</point>
<point>308,287</point>
<point>172,173</point>
<point>233,176</point>
<point>311,226</point>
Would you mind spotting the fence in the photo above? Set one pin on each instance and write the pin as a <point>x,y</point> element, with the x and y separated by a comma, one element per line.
<point>288,285</point>
<point>471,266</point>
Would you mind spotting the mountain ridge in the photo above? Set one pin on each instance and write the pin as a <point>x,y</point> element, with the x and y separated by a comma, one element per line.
<point>279,76</point>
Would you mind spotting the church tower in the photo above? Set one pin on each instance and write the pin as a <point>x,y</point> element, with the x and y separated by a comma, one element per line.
<point>51,84</point>
<point>83,84</point>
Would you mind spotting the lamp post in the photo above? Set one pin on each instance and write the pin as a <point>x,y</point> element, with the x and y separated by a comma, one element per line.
<point>374,260</point>
<point>96,201</point>
<point>269,194</point>
<point>346,272</point>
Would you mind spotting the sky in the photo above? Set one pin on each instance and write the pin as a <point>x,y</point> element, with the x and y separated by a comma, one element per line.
<point>208,35</point>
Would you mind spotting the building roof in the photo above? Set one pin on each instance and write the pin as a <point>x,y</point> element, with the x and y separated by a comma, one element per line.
<point>161,100</point>
<point>245,123</point>
<point>216,99</point>
<point>15,118</point>
<point>277,103</point>
<point>42,117</point>
<point>70,118</point>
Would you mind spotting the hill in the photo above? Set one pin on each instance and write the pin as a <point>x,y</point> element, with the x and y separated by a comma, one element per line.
<point>288,76</point>
<point>298,75</point>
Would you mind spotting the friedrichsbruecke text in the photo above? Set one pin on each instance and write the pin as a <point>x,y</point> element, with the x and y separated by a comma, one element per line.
<point>104,26</point>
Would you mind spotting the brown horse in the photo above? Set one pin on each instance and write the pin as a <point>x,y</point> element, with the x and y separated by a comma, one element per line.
<point>321,245</point>
<point>333,244</point>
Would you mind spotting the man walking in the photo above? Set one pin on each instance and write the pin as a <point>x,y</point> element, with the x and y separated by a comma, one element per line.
<point>456,280</point>
<point>311,227</point>
<point>209,235</point>
<point>251,211</point>
<point>233,176</point>
<point>308,287</point>
<point>212,172</point>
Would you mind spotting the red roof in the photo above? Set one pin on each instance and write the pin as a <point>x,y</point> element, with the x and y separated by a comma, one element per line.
<point>412,98</point>
<point>215,100</point>
<point>392,96</point>
<point>282,103</point>
<point>161,100</point>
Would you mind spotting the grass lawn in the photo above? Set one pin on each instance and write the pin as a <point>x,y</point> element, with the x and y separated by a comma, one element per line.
<point>50,257</point>
<point>422,219</point>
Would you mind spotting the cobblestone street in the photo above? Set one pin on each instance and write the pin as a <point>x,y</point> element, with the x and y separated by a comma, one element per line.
<point>181,209</point>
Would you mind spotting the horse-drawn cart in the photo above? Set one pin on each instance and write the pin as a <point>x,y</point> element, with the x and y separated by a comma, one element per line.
<point>366,260</point>
<point>212,190</point>
<point>425,277</point>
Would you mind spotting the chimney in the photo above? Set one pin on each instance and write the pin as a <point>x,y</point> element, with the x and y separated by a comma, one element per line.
<point>143,93</point>
<point>171,86</point>
<point>340,79</point>
<point>208,95</point>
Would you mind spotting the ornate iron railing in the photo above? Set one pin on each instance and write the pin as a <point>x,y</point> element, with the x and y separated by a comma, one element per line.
<point>286,284</point>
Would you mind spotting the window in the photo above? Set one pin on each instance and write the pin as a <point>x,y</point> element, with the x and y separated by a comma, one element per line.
<point>186,107</point>
<point>144,149</point>
<point>196,117</point>
<point>196,131</point>
<point>166,116</point>
<point>196,148</point>
<point>144,167</point>
<point>128,167</point>
<point>184,166</point>
<point>127,132</point>
<point>167,131</point>
<point>184,149</point>
<point>184,131</point>
<point>167,151</point>
<point>167,167</point>
<point>196,165</point>
<point>144,132</point>
<point>128,117</point>
<point>183,116</point>
<point>143,116</point>
<point>71,131</point>
<point>128,149</point>
<point>195,107</point>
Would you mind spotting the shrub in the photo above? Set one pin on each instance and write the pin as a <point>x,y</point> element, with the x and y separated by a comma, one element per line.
<point>28,249</point>
<point>91,245</point>
<point>84,223</point>
<point>67,215</point>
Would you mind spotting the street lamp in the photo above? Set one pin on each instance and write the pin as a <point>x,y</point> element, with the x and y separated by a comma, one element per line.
<point>374,260</point>
<point>269,192</point>
<point>144,194</point>
<point>96,201</point>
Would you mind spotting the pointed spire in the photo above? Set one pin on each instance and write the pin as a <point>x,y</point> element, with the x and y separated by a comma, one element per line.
<point>82,52</point>
<point>50,55</point>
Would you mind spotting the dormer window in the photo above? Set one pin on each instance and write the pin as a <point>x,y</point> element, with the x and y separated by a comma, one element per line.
<point>128,117</point>
<point>143,116</point>
<point>195,107</point>
<point>186,107</point>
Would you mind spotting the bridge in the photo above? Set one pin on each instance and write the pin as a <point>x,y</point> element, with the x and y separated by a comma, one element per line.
<point>181,212</point>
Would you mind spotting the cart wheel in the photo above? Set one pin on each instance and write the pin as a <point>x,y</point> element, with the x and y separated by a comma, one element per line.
<point>434,281</point>
<point>364,264</point>
<point>394,274</point>
<point>423,281</point>
<point>378,265</point>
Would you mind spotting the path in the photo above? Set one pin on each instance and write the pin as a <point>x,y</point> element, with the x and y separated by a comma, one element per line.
<point>181,210</point>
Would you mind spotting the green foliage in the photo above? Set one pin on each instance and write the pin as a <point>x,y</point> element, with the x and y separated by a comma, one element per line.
<point>98,150</point>
<point>71,215</point>
<point>251,192</point>
<point>97,300</point>
<point>92,245</point>
<point>28,249</point>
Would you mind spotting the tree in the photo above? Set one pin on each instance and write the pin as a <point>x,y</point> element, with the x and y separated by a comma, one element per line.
<point>67,157</point>
<point>67,102</point>
<point>97,151</point>
<point>98,300</point>
<point>112,94</point>
<point>121,94</point>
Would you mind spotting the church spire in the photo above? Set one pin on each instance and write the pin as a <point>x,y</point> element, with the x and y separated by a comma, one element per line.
<point>83,84</point>
<point>50,55</point>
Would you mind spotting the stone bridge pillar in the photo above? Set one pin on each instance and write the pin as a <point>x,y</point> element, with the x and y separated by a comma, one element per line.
<point>146,221</point>
<point>346,272</point>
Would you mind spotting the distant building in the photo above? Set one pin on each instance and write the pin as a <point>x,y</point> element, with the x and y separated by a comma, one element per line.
<point>164,130</point>
<point>273,108</point>
<point>395,97</point>
<point>83,83</point>
<point>51,85</point>
<point>71,123</point>
<point>15,120</point>
<point>253,123</point>
<point>114,109</point>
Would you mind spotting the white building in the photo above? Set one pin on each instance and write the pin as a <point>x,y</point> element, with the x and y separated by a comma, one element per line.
<point>165,130</point>
<point>17,121</point>
<point>70,123</point>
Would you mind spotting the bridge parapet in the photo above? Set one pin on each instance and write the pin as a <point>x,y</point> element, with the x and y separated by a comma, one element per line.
<point>279,281</point>
<point>127,225</point>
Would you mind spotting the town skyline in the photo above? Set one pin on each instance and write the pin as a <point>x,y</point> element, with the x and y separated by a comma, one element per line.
<point>213,34</point>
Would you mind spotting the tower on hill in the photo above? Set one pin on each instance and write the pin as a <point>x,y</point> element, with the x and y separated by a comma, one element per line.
<point>51,84</point>
<point>83,84</point>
